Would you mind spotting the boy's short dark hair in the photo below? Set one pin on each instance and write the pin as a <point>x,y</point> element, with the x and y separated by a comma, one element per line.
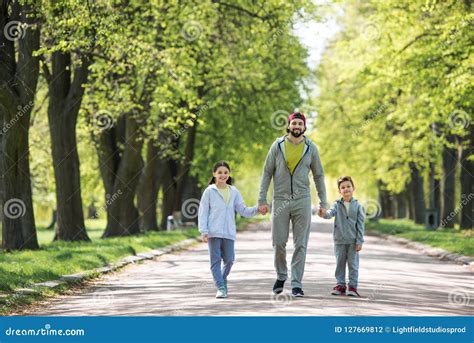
<point>344,178</point>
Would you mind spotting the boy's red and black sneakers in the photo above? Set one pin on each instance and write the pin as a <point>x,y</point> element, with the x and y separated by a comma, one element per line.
<point>352,292</point>
<point>339,290</point>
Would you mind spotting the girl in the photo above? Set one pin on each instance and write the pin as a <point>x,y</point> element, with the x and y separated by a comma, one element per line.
<point>217,208</point>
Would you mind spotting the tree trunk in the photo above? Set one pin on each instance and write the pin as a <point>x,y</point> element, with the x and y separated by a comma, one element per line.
<point>147,194</point>
<point>435,184</point>
<point>184,167</point>
<point>169,190</point>
<point>410,201</point>
<point>437,198</point>
<point>434,209</point>
<point>385,203</point>
<point>19,229</point>
<point>109,145</point>
<point>19,71</point>
<point>54,219</point>
<point>449,167</point>
<point>65,99</point>
<point>401,209</point>
<point>467,170</point>
<point>92,211</point>
<point>122,215</point>
<point>418,196</point>
<point>191,191</point>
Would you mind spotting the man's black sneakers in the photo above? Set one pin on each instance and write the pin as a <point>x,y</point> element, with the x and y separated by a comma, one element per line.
<point>297,292</point>
<point>278,286</point>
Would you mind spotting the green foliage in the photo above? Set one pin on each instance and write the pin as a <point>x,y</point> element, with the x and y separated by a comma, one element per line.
<point>393,84</point>
<point>173,65</point>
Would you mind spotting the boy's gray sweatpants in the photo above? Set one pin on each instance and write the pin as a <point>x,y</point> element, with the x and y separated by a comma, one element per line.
<point>346,254</point>
<point>298,211</point>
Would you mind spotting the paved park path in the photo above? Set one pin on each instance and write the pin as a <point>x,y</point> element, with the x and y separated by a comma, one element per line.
<point>394,281</point>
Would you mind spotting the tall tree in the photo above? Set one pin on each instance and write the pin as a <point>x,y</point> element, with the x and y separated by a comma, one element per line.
<point>467,188</point>
<point>19,70</point>
<point>72,31</point>
<point>383,85</point>
<point>449,176</point>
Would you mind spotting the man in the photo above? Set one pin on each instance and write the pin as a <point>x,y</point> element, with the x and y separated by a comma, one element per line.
<point>288,162</point>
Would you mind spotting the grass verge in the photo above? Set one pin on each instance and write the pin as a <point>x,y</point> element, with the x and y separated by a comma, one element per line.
<point>21,269</point>
<point>452,240</point>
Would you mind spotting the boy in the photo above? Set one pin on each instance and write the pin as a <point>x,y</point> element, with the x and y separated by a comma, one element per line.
<point>348,236</point>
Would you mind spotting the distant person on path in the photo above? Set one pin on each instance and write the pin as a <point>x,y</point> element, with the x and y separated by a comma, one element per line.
<point>217,208</point>
<point>289,162</point>
<point>348,236</point>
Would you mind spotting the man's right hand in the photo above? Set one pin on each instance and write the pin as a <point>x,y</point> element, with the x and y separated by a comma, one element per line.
<point>205,238</point>
<point>322,212</point>
<point>263,209</point>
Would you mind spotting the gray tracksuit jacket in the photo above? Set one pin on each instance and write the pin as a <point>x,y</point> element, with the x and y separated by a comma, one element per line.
<point>348,227</point>
<point>216,217</point>
<point>296,185</point>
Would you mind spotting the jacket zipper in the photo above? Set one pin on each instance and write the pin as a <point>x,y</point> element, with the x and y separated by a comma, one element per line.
<point>291,174</point>
<point>345,209</point>
<point>226,205</point>
<point>347,217</point>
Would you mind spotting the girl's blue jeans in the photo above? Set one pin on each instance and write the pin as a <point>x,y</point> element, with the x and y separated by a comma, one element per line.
<point>221,250</point>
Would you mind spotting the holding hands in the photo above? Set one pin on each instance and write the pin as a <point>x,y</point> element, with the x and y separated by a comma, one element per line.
<point>263,209</point>
<point>321,212</point>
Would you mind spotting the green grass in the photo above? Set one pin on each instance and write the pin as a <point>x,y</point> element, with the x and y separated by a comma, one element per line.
<point>54,259</point>
<point>20,269</point>
<point>453,240</point>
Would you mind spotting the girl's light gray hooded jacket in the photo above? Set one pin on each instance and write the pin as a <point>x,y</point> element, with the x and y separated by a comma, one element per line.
<point>296,185</point>
<point>216,217</point>
<point>348,227</point>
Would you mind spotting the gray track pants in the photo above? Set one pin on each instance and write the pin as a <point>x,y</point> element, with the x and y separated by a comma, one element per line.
<point>346,255</point>
<point>298,211</point>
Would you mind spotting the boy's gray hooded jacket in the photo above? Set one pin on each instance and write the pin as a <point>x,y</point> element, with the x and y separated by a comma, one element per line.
<point>296,185</point>
<point>348,227</point>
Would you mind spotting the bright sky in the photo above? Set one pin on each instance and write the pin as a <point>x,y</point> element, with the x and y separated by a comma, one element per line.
<point>315,36</point>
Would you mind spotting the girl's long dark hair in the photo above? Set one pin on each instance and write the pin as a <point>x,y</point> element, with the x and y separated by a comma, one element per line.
<point>216,166</point>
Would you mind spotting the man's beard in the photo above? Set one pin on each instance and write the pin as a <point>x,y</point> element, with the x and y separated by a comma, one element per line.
<point>298,134</point>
